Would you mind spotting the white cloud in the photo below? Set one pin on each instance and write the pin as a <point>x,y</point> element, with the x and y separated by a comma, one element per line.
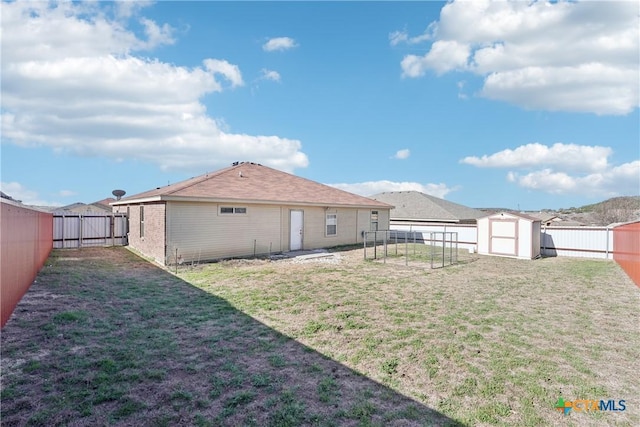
<point>28,197</point>
<point>398,37</point>
<point>229,71</point>
<point>562,56</point>
<point>617,181</point>
<point>374,187</point>
<point>565,169</point>
<point>444,56</point>
<point>402,154</point>
<point>156,35</point>
<point>270,75</point>
<point>564,156</point>
<point>279,43</point>
<point>70,81</point>
<point>67,193</point>
<point>461,94</point>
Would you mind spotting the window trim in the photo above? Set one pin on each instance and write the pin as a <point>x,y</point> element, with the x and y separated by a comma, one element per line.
<point>327,224</point>
<point>142,221</point>
<point>234,210</point>
<point>373,220</point>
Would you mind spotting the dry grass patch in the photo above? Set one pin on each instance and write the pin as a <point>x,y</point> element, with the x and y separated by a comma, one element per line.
<point>105,338</point>
<point>490,342</point>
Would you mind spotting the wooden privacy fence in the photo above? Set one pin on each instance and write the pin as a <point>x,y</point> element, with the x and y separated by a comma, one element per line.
<point>79,231</point>
<point>25,241</point>
<point>626,249</point>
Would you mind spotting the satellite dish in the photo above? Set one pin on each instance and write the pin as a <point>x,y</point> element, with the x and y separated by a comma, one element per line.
<point>118,193</point>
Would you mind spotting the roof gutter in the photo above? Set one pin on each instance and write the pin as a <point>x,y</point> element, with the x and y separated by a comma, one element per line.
<point>168,198</point>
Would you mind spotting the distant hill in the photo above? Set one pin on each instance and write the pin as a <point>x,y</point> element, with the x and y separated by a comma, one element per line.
<point>616,209</point>
<point>626,202</point>
<point>610,211</point>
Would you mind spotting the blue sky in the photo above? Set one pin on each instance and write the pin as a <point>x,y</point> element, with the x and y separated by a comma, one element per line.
<point>516,105</point>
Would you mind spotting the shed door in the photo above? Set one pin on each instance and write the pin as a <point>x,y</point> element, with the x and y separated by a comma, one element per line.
<point>297,225</point>
<point>503,237</point>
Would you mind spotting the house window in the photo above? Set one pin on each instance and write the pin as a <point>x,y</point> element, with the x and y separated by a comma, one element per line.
<point>141,221</point>
<point>226,210</point>
<point>374,220</point>
<point>332,224</point>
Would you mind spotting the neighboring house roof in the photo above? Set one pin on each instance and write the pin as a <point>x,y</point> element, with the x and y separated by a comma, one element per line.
<point>543,216</point>
<point>4,195</point>
<point>104,203</point>
<point>568,223</point>
<point>251,182</point>
<point>72,206</point>
<point>83,208</point>
<point>414,205</point>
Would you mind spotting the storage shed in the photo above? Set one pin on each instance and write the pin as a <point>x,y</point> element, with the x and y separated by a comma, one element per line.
<point>509,234</point>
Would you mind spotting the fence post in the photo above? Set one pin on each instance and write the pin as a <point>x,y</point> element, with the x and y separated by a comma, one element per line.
<point>395,234</point>
<point>431,251</point>
<point>406,248</point>
<point>375,245</point>
<point>80,224</point>
<point>364,242</point>
<point>384,245</point>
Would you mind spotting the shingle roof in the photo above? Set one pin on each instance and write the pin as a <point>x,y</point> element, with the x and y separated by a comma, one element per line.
<point>251,182</point>
<point>542,216</point>
<point>414,205</point>
<point>104,203</point>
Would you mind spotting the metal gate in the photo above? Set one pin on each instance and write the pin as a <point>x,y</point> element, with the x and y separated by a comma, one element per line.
<point>78,231</point>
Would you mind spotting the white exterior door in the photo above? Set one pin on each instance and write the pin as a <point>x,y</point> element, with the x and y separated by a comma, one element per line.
<point>297,225</point>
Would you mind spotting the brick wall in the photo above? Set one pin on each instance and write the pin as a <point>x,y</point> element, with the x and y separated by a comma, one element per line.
<point>152,243</point>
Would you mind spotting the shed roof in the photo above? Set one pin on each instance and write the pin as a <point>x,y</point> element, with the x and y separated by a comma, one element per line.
<point>252,182</point>
<point>414,205</point>
<point>516,214</point>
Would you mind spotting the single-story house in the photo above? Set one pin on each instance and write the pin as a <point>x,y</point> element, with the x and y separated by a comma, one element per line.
<point>416,207</point>
<point>423,215</point>
<point>244,210</point>
<point>100,207</point>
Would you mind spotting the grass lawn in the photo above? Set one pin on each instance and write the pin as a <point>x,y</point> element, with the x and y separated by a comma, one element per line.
<point>105,338</point>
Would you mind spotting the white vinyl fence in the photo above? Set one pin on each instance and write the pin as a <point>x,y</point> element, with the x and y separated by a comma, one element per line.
<point>585,242</point>
<point>467,233</point>
<point>78,231</point>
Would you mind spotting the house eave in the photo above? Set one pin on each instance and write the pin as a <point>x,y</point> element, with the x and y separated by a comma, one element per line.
<point>169,198</point>
<point>452,221</point>
<point>136,201</point>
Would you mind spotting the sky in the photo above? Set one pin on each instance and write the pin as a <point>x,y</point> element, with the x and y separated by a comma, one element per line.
<point>518,105</point>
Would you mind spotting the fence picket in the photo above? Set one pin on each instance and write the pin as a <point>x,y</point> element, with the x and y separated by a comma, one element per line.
<point>77,231</point>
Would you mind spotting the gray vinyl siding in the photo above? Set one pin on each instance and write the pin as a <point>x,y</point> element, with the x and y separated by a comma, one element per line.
<point>199,232</point>
<point>351,223</point>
